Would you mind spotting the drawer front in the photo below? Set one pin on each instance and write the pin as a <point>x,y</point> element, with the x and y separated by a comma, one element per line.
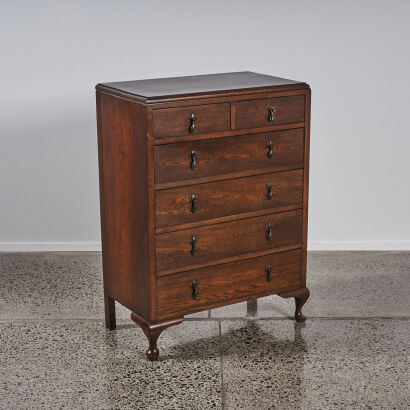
<point>235,280</point>
<point>171,122</point>
<point>190,204</point>
<point>203,246</point>
<point>258,152</point>
<point>270,111</point>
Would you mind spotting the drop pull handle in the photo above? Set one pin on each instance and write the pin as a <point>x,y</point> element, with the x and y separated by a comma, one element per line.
<point>269,232</point>
<point>194,287</point>
<point>268,271</point>
<point>194,206</point>
<point>271,111</point>
<point>269,187</point>
<point>194,249</point>
<point>194,159</point>
<point>192,127</point>
<point>270,149</point>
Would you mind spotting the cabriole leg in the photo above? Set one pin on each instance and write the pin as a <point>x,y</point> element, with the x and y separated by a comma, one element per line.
<point>301,296</point>
<point>152,332</point>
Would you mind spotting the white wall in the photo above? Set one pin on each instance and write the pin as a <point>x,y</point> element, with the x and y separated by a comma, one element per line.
<point>354,54</point>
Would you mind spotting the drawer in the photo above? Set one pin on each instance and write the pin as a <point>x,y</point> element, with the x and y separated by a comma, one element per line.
<point>257,113</point>
<point>231,281</point>
<point>190,204</point>
<point>207,245</point>
<point>171,122</point>
<point>221,157</point>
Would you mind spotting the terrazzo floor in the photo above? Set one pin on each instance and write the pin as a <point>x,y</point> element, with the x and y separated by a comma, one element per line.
<point>353,351</point>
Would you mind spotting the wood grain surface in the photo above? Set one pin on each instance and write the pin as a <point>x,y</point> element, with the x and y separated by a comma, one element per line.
<point>255,113</point>
<point>222,283</point>
<point>242,153</point>
<point>190,204</point>
<point>222,241</point>
<point>171,122</point>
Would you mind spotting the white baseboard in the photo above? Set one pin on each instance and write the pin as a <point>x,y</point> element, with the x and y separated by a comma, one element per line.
<point>50,246</point>
<point>358,246</point>
<point>96,246</point>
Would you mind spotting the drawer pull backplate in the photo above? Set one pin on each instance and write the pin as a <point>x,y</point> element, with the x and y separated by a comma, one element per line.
<point>192,127</point>
<point>194,286</point>
<point>194,159</point>
<point>269,232</point>
<point>271,111</point>
<point>270,149</point>
<point>194,250</point>
<point>268,270</point>
<point>269,187</point>
<point>194,205</point>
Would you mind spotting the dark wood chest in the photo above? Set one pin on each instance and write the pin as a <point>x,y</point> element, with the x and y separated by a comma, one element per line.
<point>204,194</point>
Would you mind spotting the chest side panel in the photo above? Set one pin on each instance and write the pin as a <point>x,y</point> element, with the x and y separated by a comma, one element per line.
<point>124,195</point>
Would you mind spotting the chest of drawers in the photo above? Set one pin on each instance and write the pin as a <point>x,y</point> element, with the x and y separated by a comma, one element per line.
<point>203,194</point>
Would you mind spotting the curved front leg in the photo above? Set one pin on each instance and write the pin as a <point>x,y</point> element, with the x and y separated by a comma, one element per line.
<point>301,296</point>
<point>152,332</point>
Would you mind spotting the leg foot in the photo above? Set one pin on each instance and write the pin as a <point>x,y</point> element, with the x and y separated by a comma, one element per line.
<point>301,296</point>
<point>252,307</point>
<point>109,304</point>
<point>152,332</point>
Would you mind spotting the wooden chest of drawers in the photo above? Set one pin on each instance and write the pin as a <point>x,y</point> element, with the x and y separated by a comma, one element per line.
<point>204,194</point>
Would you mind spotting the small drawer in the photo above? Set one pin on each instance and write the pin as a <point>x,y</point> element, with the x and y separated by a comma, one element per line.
<point>205,288</point>
<point>198,119</point>
<point>190,204</point>
<point>270,111</point>
<point>255,153</point>
<point>207,245</point>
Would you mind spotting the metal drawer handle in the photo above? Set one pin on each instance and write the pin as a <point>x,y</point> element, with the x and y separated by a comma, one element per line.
<point>270,149</point>
<point>269,187</point>
<point>269,232</point>
<point>268,270</point>
<point>194,250</point>
<point>271,111</point>
<point>194,286</point>
<point>194,159</point>
<point>193,199</point>
<point>192,127</point>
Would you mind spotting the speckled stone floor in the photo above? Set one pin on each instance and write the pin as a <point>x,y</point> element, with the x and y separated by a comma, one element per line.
<point>353,351</point>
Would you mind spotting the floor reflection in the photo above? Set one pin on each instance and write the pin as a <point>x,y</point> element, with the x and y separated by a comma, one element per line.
<point>260,365</point>
<point>193,366</point>
<point>264,368</point>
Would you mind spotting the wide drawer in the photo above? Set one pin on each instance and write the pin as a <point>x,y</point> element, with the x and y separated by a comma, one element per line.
<point>231,281</point>
<point>207,245</point>
<point>270,111</point>
<point>194,203</point>
<point>255,153</point>
<point>199,119</point>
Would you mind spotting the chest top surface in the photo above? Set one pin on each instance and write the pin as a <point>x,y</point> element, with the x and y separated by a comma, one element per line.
<point>162,88</point>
